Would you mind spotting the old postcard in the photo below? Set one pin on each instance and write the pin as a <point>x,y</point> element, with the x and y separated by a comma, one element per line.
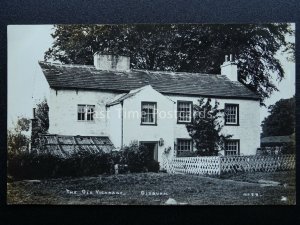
<point>151,114</point>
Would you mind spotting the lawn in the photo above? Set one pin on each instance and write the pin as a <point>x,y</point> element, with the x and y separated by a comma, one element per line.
<point>137,189</point>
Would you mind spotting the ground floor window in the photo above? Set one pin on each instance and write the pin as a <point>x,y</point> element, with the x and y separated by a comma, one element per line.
<point>232,147</point>
<point>184,146</point>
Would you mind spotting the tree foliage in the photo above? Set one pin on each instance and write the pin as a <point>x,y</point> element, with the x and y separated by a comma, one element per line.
<point>206,128</point>
<point>182,47</point>
<point>281,121</point>
<point>41,123</point>
<point>17,141</point>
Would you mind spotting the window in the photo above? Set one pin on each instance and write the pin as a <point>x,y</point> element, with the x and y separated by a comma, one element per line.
<point>148,113</point>
<point>232,147</point>
<point>183,146</point>
<point>85,112</point>
<point>184,111</point>
<point>231,114</point>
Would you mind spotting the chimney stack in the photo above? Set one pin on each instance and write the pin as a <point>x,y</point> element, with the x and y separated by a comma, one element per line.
<point>107,61</point>
<point>229,68</point>
<point>34,130</point>
<point>33,113</point>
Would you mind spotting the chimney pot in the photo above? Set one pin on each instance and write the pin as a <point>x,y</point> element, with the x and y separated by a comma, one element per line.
<point>229,68</point>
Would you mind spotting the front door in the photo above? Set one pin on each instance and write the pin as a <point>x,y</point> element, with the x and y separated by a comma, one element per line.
<point>152,147</point>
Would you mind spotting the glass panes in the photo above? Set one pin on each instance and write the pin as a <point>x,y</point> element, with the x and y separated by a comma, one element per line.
<point>232,147</point>
<point>85,112</point>
<point>231,114</point>
<point>81,112</point>
<point>184,145</point>
<point>148,112</point>
<point>184,112</point>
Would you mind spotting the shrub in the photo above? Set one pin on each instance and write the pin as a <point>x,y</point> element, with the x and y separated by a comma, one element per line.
<point>33,166</point>
<point>133,158</point>
<point>152,166</point>
<point>187,154</point>
<point>27,165</point>
<point>136,157</point>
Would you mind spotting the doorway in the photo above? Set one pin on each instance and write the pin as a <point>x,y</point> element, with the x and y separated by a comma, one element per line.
<point>153,148</point>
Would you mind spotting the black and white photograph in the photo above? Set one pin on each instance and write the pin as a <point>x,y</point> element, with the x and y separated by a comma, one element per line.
<point>151,114</point>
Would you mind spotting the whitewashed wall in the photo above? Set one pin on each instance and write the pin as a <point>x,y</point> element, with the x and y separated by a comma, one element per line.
<point>63,112</point>
<point>133,130</point>
<point>248,130</point>
<point>115,124</point>
<point>63,118</point>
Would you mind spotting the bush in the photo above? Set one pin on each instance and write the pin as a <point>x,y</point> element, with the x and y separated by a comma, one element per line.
<point>33,166</point>
<point>187,154</point>
<point>134,158</point>
<point>153,166</point>
<point>26,165</point>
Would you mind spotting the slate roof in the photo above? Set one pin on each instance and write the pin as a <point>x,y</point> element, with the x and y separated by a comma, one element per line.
<point>64,146</point>
<point>122,97</point>
<point>180,83</point>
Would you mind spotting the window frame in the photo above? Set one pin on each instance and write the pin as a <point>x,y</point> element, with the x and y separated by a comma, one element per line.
<point>184,139</point>
<point>237,114</point>
<point>86,112</point>
<point>238,145</point>
<point>154,113</point>
<point>191,115</point>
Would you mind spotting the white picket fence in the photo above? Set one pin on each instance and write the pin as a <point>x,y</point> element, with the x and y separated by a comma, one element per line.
<point>217,165</point>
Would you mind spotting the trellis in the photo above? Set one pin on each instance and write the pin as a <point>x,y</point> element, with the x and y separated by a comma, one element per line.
<point>255,163</point>
<point>192,165</point>
<point>217,165</point>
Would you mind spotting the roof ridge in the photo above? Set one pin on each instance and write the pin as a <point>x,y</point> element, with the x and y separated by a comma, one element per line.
<point>67,65</point>
<point>176,72</point>
<point>138,70</point>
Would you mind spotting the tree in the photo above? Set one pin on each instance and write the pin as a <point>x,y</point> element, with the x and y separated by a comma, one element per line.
<point>17,141</point>
<point>206,128</point>
<point>281,121</point>
<point>182,47</point>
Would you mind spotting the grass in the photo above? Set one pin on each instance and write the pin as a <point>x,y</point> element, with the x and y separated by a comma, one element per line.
<point>234,189</point>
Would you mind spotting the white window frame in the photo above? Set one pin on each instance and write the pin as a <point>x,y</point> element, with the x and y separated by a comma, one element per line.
<point>181,114</point>
<point>183,147</point>
<point>154,113</point>
<point>88,112</point>
<point>231,114</point>
<point>232,147</point>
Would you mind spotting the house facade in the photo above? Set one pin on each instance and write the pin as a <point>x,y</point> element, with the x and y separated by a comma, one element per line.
<point>152,107</point>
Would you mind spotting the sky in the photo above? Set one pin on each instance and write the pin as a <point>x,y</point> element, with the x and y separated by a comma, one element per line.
<point>28,86</point>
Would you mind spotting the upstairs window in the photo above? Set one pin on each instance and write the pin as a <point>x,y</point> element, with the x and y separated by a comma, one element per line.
<point>231,114</point>
<point>183,146</point>
<point>184,111</point>
<point>148,113</point>
<point>85,112</point>
<point>232,147</point>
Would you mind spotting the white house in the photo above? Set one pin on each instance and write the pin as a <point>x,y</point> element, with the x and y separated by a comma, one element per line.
<point>111,100</point>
